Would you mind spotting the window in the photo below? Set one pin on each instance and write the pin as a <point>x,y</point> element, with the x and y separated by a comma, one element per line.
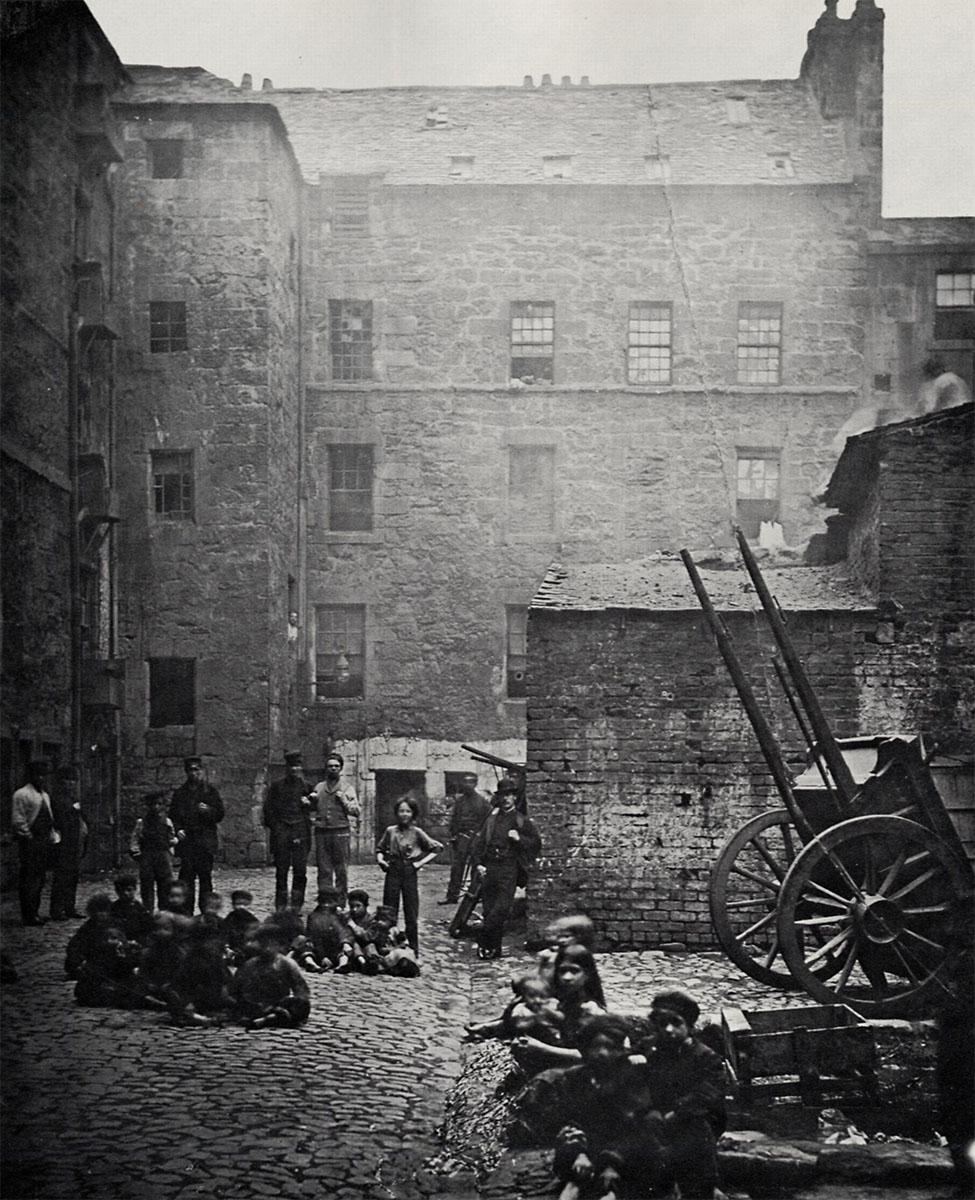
<point>339,651</point>
<point>516,652</point>
<point>657,167</point>
<point>166,158</point>
<point>350,475</point>
<point>350,338</point>
<point>648,343</point>
<point>531,488</point>
<point>557,166</point>
<point>532,340</point>
<point>172,484</point>
<point>780,166</point>
<point>758,488</point>
<point>167,326</point>
<point>350,216</point>
<point>954,314</point>
<point>737,109</point>
<point>461,166</point>
<point>90,611</point>
<point>759,343</point>
<point>172,692</point>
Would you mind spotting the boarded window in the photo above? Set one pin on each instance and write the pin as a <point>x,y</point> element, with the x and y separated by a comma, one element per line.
<point>557,166</point>
<point>167,326</point>
<point>759,474</point>
<point>339,651</point>
<point>954,314</point>
<point>350,216</point>
<point>172,484</point>
<point>648,351</point>
<point>350,338</point>
<point>172,692</point>
<point>166,158</point>
<point>759,343</point>
<point>516,652</point>
<point>350,478</point>
<point>532,340</point>
<point>531,489</point>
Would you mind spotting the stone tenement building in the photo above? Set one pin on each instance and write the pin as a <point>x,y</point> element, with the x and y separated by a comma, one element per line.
<point>384,355</point>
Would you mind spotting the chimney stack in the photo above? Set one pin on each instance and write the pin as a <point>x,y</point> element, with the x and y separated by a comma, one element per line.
<point>546,81</point>
<point>567,81</point>
<point>528,82</point>
<point>246,83</point>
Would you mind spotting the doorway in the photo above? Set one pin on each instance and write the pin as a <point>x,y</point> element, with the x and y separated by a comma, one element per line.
<point>392,786</point>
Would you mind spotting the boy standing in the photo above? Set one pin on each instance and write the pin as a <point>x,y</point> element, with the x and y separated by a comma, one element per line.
<point>152,844</point>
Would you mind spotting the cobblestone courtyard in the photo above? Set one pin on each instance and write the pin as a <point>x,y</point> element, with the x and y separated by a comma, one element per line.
<point>124,1106</point>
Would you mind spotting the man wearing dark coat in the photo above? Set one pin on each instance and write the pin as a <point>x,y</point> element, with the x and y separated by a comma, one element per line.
<point>195,811</point>
<point>287,814</point>
<point>503,850</point>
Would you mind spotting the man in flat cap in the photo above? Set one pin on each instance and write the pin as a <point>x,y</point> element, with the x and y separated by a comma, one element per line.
<point>196,810</point>
<point>287,814</point>
<point>37,836</point>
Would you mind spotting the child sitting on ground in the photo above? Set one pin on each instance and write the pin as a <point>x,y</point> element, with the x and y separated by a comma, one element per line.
<point>686,1086</point>
<point>211,906</point>
<point>533,1012</point>
<point>106,979</point>
<point>239,925</point>
<point>575,929</point>
<point>127,913</point>
<point>163,956</point>
<point>89,935</point>
<point>201,986</point>
<point>329,936</point>
<point>269,988</point>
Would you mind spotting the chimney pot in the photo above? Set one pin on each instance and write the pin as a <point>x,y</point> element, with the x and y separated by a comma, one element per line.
<point>246,83</point>
<point>584,81</point>
<point>546,81</point>
<point>267,86</point>
<point>528,82</point>
<point>567,81</point>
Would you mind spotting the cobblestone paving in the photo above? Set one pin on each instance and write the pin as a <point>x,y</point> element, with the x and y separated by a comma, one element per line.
<point>102,1104</point>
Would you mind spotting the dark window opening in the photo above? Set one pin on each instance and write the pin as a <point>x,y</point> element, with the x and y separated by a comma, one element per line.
<point>340,651</point>
<point>167,326</point>
<point>172,692</point>
<point>532,341</point>
<point>172,484</point>
<point>166,155</point>
<point>350,477</point>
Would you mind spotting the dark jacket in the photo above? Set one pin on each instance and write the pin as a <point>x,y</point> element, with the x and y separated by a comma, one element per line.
<point>200,828</point>
<point>492,843</point>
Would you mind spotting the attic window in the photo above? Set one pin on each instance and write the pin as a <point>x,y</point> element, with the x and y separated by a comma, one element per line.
<point>737,107</point>
<point>461,166</point>
<point>657,167</point>
<point>557,166</point>
<point>780,166</point>
<point>437,117</point>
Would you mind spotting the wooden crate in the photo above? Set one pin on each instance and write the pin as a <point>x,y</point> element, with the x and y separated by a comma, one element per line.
<point>815,1054</point>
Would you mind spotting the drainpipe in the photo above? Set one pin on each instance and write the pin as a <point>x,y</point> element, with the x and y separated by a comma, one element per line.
<point>74,537</point>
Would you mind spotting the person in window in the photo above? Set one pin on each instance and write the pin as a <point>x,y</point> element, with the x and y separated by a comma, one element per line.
<point>466,817</point>
<point>196,810</point>
<point>505,847</point>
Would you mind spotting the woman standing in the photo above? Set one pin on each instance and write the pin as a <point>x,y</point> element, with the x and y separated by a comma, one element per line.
<point>403,850</point>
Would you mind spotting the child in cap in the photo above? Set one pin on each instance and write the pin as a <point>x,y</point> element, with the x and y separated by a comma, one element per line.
<point>151,845</point>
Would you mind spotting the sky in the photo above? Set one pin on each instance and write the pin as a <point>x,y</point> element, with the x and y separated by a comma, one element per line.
<point>929,109</point>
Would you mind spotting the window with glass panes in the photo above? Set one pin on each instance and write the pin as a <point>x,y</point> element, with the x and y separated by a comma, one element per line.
<point>350,338</point>
<point>350,476</point>
<point>954,314</point>
<point>516,652</point>
<point>167,326</point>
<point>172,484</point>
<point>339,650</point>
<point>759,343</point>
<point>532,340</point>
<point>648,350</point>
<point>758,488</point>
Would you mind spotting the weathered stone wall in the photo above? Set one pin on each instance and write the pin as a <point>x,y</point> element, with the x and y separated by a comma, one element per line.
<point>212,587</point>
<point>643,763</point>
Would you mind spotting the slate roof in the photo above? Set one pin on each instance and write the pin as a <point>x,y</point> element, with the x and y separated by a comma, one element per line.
<point>661,584</point>
<point>608,130</point>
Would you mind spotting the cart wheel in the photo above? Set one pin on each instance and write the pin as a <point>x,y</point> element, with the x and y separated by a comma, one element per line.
<point>744,895</point>
<point>878,892</point>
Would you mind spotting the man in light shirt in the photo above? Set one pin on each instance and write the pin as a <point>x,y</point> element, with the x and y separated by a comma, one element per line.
<point>33,824</point>
<point>334,806</point>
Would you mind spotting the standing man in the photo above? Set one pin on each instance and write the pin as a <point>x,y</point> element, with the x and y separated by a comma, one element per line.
<point>73,829</point>
<point>505,848</point>
<point>196,810</point>
<point>334,806</point>
<point>37,835</point>
<point>287,814</point>
<point>469,813</point>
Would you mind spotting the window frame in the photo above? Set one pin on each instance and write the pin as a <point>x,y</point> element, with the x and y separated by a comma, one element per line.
<point>750,338</point>
<point>649,307</point>
<point>182,707</point>
<point>954,322</point>
<point>351,357</point>
<point>538,366</point>
<point>341,644</point>
<point>760,508</point>
<point>342,515</point>
<point>184,464</point>
<point>168,330</point>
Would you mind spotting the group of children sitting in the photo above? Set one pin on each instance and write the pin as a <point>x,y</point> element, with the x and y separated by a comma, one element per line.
<point>210,968</point>
<point>633,1106</point>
